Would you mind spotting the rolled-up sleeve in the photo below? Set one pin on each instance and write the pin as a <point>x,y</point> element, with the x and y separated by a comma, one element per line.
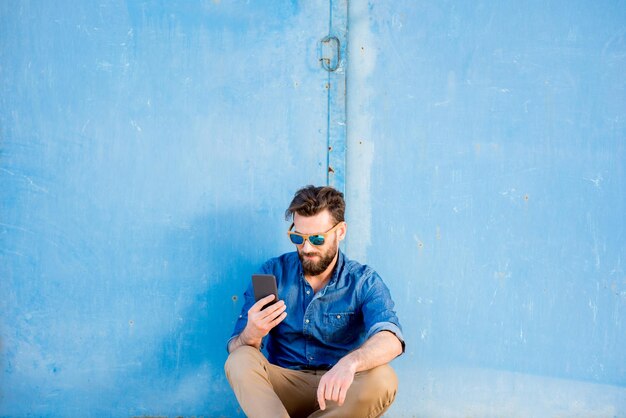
<point>242,319</point>
<point>378,309</point>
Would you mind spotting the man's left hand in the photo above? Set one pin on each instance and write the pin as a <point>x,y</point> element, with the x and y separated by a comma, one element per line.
<point>335,383</point>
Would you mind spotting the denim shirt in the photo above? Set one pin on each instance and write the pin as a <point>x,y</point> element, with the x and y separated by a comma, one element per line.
<point>321,328</point>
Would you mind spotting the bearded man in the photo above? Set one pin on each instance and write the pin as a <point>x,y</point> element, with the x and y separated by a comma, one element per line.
<point>331,335</point>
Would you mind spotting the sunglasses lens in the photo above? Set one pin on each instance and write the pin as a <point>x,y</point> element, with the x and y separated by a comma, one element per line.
<point>317,239</point>
<point>296,239</point>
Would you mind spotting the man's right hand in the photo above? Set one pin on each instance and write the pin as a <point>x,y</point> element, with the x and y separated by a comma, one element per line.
<point>260,322</point>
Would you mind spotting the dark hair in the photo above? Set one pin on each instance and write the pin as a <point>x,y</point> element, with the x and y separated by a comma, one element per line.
<point>311,200</point>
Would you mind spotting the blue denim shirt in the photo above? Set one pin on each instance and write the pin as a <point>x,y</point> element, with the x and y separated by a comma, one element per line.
<point>321,328</point>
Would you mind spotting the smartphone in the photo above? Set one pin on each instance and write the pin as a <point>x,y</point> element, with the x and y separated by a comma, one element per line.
<point>264,285</point>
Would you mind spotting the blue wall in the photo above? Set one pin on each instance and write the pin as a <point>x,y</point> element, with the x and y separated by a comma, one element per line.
<point>492,137</point>
<point>148,150</point>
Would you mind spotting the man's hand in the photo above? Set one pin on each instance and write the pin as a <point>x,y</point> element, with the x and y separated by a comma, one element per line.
<point>380,348</point>
<point>335,383</point>
<point>260,322</point>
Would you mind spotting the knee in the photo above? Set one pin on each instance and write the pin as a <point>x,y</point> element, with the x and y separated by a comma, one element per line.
<point>243,360</point>
<point>382,384</point>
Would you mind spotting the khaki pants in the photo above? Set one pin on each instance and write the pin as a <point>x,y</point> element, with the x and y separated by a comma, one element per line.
<point>265,390</point>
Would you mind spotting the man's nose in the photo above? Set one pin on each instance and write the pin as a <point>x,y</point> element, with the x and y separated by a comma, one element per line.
<point>307,246</point>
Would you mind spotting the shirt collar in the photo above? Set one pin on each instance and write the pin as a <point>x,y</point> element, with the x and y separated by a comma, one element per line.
<point>337,270</point>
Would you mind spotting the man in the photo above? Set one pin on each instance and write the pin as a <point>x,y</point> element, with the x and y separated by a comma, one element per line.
<point>331,334</point>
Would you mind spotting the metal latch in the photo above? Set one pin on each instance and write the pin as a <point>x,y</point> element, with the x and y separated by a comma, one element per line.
<point>330,53</point>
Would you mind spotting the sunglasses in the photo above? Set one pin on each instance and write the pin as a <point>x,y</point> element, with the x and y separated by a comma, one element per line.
<point>314,239</point>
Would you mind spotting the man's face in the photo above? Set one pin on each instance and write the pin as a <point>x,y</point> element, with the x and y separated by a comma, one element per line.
<point>316,258</point>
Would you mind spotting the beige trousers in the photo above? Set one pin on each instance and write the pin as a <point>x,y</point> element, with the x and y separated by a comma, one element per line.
<point>268,391</point>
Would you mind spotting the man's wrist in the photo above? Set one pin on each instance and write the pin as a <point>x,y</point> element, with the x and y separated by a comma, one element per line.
<point>244,339</point>
<point>351,361</point>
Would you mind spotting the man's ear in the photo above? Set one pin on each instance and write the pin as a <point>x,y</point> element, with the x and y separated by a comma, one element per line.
<point>342,230</point>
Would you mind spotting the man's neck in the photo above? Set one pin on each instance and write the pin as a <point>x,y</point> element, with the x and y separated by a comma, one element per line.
<point>317,282</point>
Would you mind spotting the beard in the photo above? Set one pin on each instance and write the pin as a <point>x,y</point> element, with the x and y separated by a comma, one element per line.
<point>313,268</point>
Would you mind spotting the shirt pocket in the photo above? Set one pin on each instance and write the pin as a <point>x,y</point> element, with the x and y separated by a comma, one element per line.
<point>340,327</point>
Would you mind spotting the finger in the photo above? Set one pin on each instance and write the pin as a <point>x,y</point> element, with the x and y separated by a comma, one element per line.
<point>342,395</point>
<point>274,306</point>
<point>264,301</point>
<point>271,309</point>
<point>279,319</point>
<point>336,390</point>
<point>320,396</point>
<point>328,393</point>
<point>273,312</point>
<point>261,303</point>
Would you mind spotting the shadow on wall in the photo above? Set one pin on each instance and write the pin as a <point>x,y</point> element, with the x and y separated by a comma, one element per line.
<point>209,263</point>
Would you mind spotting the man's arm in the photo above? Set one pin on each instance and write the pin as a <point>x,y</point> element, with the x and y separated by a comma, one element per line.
<point>379,349</point>
<point>259,324</point>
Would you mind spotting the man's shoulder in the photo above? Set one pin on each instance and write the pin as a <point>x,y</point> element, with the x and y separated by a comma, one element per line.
<point>357,270</point>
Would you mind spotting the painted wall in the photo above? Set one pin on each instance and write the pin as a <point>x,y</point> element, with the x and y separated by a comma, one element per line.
<point>486,154</point>
<point>148,150</point>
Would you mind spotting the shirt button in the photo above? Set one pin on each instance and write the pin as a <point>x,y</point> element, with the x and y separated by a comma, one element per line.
<point>306,321</point>
<point>338,316</point>
<point>308,292</point>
